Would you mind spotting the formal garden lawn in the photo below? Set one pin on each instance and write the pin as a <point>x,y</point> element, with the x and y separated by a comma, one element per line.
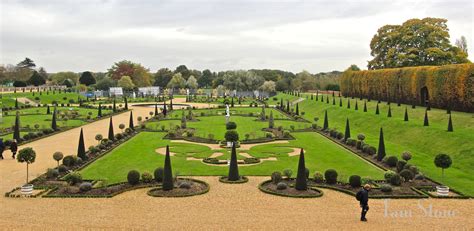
<point>140,154</point>
<point>38,116</point>
<point>424,142</point>
<point>44,98</point>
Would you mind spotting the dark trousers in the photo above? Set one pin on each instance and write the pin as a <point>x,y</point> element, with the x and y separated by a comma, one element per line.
<point>365,208</point>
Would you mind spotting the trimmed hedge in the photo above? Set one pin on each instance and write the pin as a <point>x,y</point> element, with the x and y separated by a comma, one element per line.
<point>447,85</point>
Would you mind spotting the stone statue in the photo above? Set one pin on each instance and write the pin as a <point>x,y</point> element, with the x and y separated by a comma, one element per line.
<point>227,114</point>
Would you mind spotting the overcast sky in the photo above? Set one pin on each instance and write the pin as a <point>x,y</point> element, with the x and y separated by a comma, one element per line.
<point>220,35</point>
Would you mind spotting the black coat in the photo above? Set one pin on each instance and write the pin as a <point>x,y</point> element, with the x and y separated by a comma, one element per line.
<point>364,200</point>
<point>14,147</point>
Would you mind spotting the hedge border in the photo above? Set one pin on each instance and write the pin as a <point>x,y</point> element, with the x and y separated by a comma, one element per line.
<point>149,193</point>
<point>243,179</point>
<point>261,188</point>
<point>49,195</point>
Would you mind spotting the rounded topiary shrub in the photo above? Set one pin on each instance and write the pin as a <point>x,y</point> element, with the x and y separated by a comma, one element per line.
<point>276,177</point>
<point>52,173</point>
<point>340,135</point>
<point>133,177</point>
<point>331,176</point>
<point>388,175</point>
<point>69,161</point>
<point>351,142</point>
<point>355,181</point>
<point>306,173</point>
<point>185,185</point>
<point>419,176</point>
<point>282,186</point>
<point>396,180</point>
<point>406,174</point>
<point>318,177</point>
<point>62,168</point>
<point>86,186</point>
<point>147,177</point>
<point>73,178</point>
<point>231,136</point>
<point>231,125</point>
<point>159,174</point>
<point>392,161</point>
<point>371,150</point>
<point>400,165</point>
<point>386,188</point>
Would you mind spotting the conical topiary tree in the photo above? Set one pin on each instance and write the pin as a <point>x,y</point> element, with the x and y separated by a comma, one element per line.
<point>356,106</point>
<point>126,103</point>
<point>322,98</point>
<point>426,122</point>
<point>347,133</point>
<point>340,102</point>
<point>164,111</point>
<point>326,122</point>
<point>297,110</point>
<point>406,114</point>
<point>48,110</point>
<point>381,148</point>
<point>281,104</point>
<point>156,109</point>
<point>233,167</point>
<point>232,102</point>
<point>183,120</point>
<point>271,123</point>
<point>130,122</point>
<point>327,99</point>
<point>99,112</point>
<point>365,106</point>
<point>333,100</point>
<point>348,103</point>
<point>450,124</point>
<point>111,130</point>
<point>167,172</point>
<point>262,114</point>
<point>114,107</point>
<point>81,148</point>
<point>16,130</point>
<point>16,103</point>
<point>389,114</point>
<point>54,125</point>
<point>301,183</point>
<point>171,104</point>
<point>377,109</point>
<point>288,106</point>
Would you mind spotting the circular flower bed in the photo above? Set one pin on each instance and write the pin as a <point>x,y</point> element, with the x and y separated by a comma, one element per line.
<point>242,179</point>
<point>286,188</point>
<point>182,188</point>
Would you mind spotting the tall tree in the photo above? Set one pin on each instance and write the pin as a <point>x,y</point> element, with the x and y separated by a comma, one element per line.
<point>417,42</point>
<point>26,63</point>
<point>301,183</point>
<point>81,148</point>
<point>87,78</point>
<point>162,77</point>
<point>36,79</point>
<point>271,123</point>
<point>381,149</point>
<point>461,43</point>
<point>206,78</point>
<point>139,74</point>
<point>167,172</point>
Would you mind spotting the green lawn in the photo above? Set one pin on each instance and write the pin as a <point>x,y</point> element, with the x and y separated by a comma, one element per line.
<point>37,115</point>
<point>139,154</point>
<point>424,142</point>
<point>44,98</point>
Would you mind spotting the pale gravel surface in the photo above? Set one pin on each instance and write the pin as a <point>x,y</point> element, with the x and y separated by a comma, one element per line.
<point>226,206</point>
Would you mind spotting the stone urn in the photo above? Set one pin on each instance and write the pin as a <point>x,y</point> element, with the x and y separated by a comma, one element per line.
<point>442,190</point>
<point>27,189</point>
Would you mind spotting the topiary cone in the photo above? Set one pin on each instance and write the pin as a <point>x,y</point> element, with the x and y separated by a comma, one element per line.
<point>356,106</point>
<point>377,109</point>
<point>381,148</point>
<point>347,133</point>
<point>167,172</point>
<point>111,130</point>
<point>301,183</point>
<point>130,122</point>
<point>450,124</point>
<point>54,125</point>
<point>233,167</point>
<point>406,114</point>
<point>365,106</point>
<point>326,122</point>
<point>426,122</point>
<point>389,111</point>
<point>81,148</point>
<point>348,103</point>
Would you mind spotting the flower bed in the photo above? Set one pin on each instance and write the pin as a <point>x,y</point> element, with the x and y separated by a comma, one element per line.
<point>183,188</point>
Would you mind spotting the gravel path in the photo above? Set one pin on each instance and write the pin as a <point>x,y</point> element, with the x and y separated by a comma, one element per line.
<point>226,206</point>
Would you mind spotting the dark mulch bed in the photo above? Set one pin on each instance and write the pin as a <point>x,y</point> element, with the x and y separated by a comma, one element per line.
<point>111,190</point>
<point>196,188</point>
<point>290,191</point>
<point>242,179</point>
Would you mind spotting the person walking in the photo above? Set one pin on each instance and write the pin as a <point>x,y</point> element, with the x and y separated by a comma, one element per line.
<point>363,197</point>
<point>14,148</point>
<point>2,148</point>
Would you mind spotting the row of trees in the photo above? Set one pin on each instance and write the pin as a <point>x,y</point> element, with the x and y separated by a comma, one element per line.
<point>129,75</point>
